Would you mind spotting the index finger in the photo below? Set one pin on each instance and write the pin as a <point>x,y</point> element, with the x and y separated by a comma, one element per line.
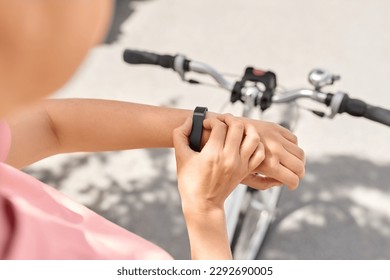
<point>235,133</point>
<point>217,134</point>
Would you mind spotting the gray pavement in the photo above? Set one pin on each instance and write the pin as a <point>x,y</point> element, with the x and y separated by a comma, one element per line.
<point>342,208</point>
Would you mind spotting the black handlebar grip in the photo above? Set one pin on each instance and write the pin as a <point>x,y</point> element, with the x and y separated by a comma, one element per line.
<point>378,114</point>
<point>141,57</point>
<point>359,108</point>
<point>354,107</point>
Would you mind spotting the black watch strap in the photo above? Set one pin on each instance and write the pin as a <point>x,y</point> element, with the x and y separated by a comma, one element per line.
<point>197,128</point>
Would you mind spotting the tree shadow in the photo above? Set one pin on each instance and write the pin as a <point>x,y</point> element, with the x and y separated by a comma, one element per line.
<point>123,10</point>
<point>340,211</point>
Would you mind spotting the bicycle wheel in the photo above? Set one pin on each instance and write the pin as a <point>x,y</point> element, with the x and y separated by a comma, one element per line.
<point>256,215</point>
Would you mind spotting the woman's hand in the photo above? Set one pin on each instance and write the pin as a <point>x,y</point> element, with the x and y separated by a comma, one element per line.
<point>206,179</point>
<point>284,162</point>
<point>232,153</point>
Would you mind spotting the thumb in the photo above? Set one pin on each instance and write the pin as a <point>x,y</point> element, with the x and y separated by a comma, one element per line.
<point>181,138</point>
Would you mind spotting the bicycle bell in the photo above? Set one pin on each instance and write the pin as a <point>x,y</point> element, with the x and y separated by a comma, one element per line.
<point>321,77</point>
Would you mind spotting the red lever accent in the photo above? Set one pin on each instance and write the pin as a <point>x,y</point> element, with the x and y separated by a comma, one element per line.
<point>258,72</point>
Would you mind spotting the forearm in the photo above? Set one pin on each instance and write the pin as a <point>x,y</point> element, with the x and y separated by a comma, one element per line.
<point>208,236</point>
<point>89,125</point>
<point>101,125</point>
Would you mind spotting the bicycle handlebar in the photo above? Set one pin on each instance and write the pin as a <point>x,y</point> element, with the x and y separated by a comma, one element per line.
<point>142,57</point>
<point>343,104</point>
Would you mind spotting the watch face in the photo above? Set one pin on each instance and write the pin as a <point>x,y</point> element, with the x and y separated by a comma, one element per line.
<point>200,111</point>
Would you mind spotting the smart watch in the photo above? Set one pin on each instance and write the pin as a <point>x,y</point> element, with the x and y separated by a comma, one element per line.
<point>197,128</point>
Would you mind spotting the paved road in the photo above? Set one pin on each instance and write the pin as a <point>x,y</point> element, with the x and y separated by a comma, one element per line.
<point>342,208</point>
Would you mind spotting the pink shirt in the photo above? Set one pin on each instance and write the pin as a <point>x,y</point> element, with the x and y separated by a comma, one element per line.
<point>39,222</point>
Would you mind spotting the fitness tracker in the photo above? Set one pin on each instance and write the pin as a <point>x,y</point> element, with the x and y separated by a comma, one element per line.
<point>197,128</point>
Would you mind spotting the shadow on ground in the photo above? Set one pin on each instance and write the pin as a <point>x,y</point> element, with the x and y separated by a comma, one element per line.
<point>340,211</point>
<point>123,10</point>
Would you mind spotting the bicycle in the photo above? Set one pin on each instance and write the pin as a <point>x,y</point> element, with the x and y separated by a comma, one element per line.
<point>251,212</point>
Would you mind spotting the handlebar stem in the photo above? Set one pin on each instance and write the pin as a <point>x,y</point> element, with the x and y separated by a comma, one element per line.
<point>250,97</point>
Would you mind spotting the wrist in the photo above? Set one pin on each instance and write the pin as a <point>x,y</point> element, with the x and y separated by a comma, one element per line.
<point>202,211</point>
<point>208,234</point>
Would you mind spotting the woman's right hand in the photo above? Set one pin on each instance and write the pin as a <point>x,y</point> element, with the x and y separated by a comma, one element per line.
<point>207,178</point>
<point>232,152</point>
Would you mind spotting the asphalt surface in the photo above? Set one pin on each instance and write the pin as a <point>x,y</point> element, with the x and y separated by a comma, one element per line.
<point>342,207</point>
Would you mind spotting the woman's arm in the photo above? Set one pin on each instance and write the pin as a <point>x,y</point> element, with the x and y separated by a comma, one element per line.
<point>70,125</point>
<point>208,235</point>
